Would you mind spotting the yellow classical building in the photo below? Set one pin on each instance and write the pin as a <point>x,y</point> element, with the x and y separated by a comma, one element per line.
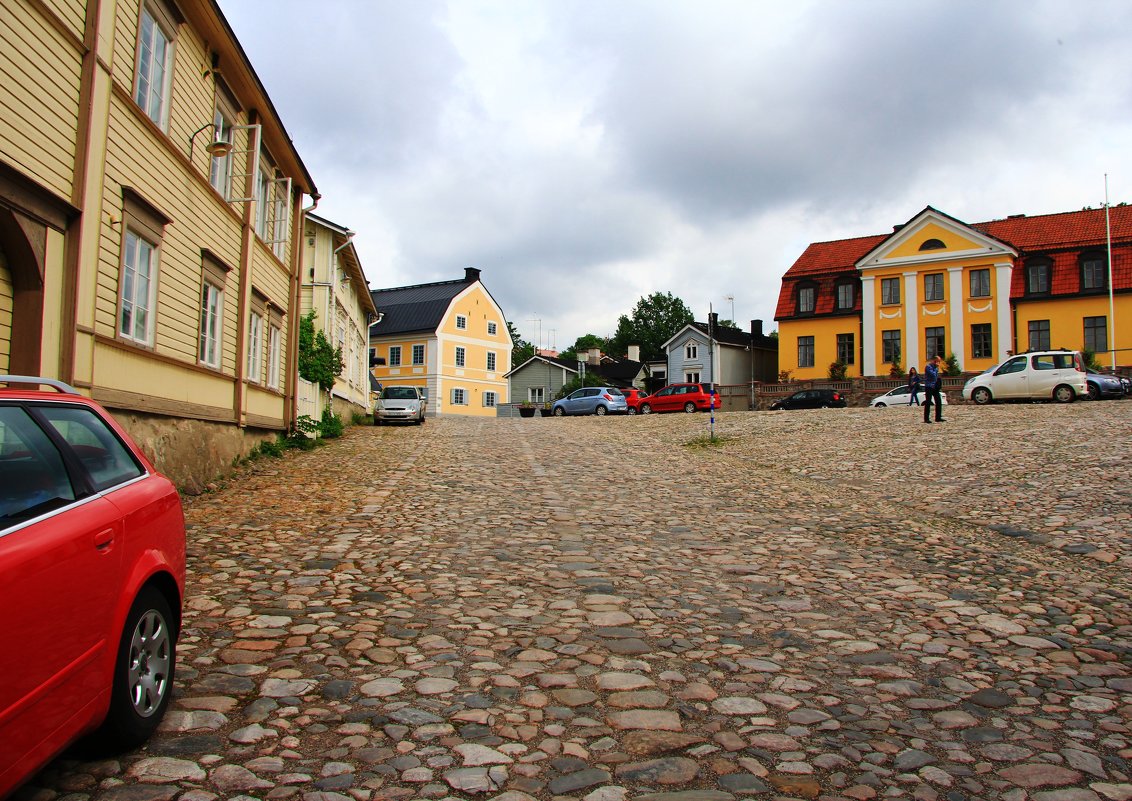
<point>449,337</point>
<point>150,199</point>
<point>936,285</point>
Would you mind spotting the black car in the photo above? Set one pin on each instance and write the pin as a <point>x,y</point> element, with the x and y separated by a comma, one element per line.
<point>811,399</point>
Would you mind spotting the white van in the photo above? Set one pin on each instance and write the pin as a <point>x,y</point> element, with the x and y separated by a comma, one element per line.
<point>1038,375</point>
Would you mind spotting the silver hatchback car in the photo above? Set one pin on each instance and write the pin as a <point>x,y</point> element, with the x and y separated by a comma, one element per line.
<point>400,404</point>
<point>591,400</point>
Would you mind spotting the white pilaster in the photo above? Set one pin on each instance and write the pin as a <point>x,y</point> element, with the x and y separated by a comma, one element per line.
<point>868,326</point>
<point>1004,336</point>
<point>958,343</point>
<point>911,345</point>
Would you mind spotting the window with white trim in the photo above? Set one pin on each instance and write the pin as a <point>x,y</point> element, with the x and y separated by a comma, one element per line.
<point>491,361</point>
<point>220,169</point>
<point>489,399</point>
<point>692,377</point>
<point>492,329</point>
<point>139,267</point>
<point>461,357</point>
<point>274,340</point>
<point>933,287</point>
<point>418,354</point>
<point>394,355</point>
<point>691,350</point>
<point>154,66</point>
<point>272,215</point>
<point>211,317</point>
<point>459,397</point>
<point>461,322</point>
<point>255,347</point>
<point>535,395</point>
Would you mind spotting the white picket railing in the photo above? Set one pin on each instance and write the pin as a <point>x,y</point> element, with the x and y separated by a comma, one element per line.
<point>311,400</point>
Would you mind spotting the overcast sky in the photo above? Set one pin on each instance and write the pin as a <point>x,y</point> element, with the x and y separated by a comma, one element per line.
<point>584,154</point>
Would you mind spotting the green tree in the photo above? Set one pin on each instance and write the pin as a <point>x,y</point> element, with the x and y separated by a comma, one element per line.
<point>655,319</point>
<point>587,379</point>
<point>521,350</point>
<point>319,362</point>
<point>584,342</point>
<point>728,324</point>
<point>953,367</point>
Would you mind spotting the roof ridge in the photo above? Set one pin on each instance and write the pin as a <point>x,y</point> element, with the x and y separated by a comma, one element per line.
<point>421,286</point>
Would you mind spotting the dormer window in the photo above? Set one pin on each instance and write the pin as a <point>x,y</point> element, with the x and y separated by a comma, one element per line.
<point>932,244</point>
<point>1094,275</point>
<point>846,296</point>
<point>1038,274</point>
<point>807,298</point>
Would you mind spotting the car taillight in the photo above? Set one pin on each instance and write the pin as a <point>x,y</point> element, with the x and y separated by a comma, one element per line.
<point>837,396</point>
<point>608,397</point>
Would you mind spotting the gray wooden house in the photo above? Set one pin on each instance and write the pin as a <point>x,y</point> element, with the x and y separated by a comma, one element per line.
<point>728,356</point>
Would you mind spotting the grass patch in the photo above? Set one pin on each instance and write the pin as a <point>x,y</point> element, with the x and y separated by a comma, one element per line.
<point>705,441</point>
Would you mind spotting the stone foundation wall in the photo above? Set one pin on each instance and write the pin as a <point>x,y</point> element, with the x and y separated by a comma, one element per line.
<point>346,410</point>
<point>191,453</point>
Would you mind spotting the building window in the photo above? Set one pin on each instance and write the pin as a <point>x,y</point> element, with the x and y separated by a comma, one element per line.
<point>461,357</point>
<point>845,349</point>
<point>491,362</point>
<point>1038,276</point>
<point>155,59</point>
<point>418,354</point>
<point>890,291</point>
<point>272,194</point>
<point>932,244</point>
<point>274,338</point>
<point>807,298</point>
<point>394,355</point>
<point>211,316</point>
<point>692,377</point>
<point>980,283</point>
<point>805,351</point>
<point>1096,334</point>
<point>692,350</point>
<point>846,296</point>
<point>1039,334</point>
<point>139,264</point>
<point>1093,272</point>
<point>535,394</point>
<point>459,397</point>
<point>933,287</point>
<point>492,329</point>
<point>220,169</point>
<point>461,322</point>
<point>933,342</point>
<point>890,346</point>
<point>489,399</point>
<point>981,341</point>
<point>255,347</point>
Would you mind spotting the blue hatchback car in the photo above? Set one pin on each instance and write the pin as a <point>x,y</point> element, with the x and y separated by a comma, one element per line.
<point>591,400</point>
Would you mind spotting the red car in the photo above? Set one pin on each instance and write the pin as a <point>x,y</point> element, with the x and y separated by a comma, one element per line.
<point>92,573</point>
<point>633,398</point>
<point>680,398</point>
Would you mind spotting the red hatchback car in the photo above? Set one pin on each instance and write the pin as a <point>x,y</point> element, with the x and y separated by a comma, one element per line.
<point>92,573</point>
<point>633,398</point>
<point>680,398</point>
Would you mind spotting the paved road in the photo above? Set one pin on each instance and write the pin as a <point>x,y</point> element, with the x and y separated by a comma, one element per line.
<point>838,604</point>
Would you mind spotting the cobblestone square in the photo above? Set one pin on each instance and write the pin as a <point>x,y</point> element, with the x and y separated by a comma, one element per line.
<point>836,604</point>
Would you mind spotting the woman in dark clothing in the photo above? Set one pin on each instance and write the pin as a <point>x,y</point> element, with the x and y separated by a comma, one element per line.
<point>913,387</point>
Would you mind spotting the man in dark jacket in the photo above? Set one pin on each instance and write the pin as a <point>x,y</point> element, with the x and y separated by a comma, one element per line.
<point>932,384</point>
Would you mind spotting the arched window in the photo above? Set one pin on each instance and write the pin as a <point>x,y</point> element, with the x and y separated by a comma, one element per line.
<point>932,244</point>
<point>1039,275</point>
<point>1094,271</point>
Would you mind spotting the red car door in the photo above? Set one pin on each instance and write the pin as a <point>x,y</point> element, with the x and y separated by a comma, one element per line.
<point>60,565</point>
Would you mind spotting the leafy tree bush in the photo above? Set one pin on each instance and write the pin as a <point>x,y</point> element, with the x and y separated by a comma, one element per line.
<point>577,382</point>
<point>521,350</point>
<point>331,425</point>
<point>896,371</point>
<point>655,319</point>
<point>1090,359</point>
<point>319,362</point>
<point>952,367</point>
<point>837,371</point>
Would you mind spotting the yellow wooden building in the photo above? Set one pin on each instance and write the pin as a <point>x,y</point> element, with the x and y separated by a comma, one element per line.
<point>449,337</point>
<point>150,199</point>
<point>937,285</point>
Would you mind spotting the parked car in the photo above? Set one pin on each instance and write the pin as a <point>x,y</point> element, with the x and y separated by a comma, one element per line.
<point>811,399</point>
<point>900,397</point>
<point>680,398</point>
<point>400,404</point>
<point>591,400</point>
<point>1103,385</point>
<point>92,576</point>
<point>1038,375</point>
<point>633,398</point>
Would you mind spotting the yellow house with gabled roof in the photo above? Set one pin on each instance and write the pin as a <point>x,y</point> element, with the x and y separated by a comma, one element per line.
<point>450,338</point>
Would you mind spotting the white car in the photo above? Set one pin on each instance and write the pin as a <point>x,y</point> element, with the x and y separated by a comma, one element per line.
<point>400,404</point>
<point>900,397</point>
<point>1039,375</point>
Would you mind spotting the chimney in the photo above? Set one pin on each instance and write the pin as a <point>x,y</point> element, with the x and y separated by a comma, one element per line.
<point>634,353</point>
<point>593,356</point>
<point>471,274</point>
<point>756,328</point>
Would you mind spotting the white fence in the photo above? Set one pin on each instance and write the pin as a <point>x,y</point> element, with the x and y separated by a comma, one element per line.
<point>311,400</point>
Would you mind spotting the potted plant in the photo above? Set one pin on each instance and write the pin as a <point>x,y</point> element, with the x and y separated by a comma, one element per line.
<point>526,410</point>
<point>545,410</point>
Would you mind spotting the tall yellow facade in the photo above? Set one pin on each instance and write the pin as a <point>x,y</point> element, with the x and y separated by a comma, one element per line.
<point>978,292</point>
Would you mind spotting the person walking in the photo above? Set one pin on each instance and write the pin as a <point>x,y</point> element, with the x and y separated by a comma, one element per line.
<point>932,384</point>
<point>913,387</point>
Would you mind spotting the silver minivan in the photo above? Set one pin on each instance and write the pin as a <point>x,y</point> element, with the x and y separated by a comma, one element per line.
<point>1038,375</point>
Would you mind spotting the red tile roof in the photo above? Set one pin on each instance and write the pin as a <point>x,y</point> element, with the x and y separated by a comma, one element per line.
<point>1071,231</point>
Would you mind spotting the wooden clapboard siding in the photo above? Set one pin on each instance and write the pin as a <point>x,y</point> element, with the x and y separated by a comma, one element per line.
<point>39,97</point>
<point>5,313</point>
<point>69,15</point>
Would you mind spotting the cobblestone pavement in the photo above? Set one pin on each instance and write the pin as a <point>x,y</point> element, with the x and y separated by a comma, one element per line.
<point>837,604</point>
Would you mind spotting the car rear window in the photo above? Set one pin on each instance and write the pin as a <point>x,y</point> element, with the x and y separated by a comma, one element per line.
<point>105,458</point>
<point>33,478</point>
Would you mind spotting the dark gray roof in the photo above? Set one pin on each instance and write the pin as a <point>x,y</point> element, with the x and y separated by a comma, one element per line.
<point>738,337</point>
<point>620,372</point>
<point>415,308</point>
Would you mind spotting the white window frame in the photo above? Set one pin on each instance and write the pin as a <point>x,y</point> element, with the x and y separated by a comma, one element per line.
<point>220,167</point>
<point>461,322</point>
<point>489,399</point>
<point>274,340</point>
<point>130,292</point>
<point>459,396</point>
<point>211,324</point>
<point>535,395</point>
<point>692,377</point>
<point>421,350</point>
<point>491,360</point>
<point>161,31</point>
<point>692,350</point>
<point>492,329</point>
<point>394,360</point>
<point>461,356</point>
<point>255,347</point>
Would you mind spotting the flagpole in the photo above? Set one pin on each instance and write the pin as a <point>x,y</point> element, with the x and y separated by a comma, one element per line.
<point>1111,314</point>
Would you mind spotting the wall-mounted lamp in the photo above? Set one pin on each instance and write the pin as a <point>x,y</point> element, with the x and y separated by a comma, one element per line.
<point>217,148</point>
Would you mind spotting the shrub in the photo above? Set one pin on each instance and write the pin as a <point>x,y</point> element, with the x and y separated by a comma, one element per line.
<point>306,425</point>
<point>331,425</point>
<point>952,367</point>
<point>1090,359</point>
<point>837,371</point>
<point>783,376</point>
